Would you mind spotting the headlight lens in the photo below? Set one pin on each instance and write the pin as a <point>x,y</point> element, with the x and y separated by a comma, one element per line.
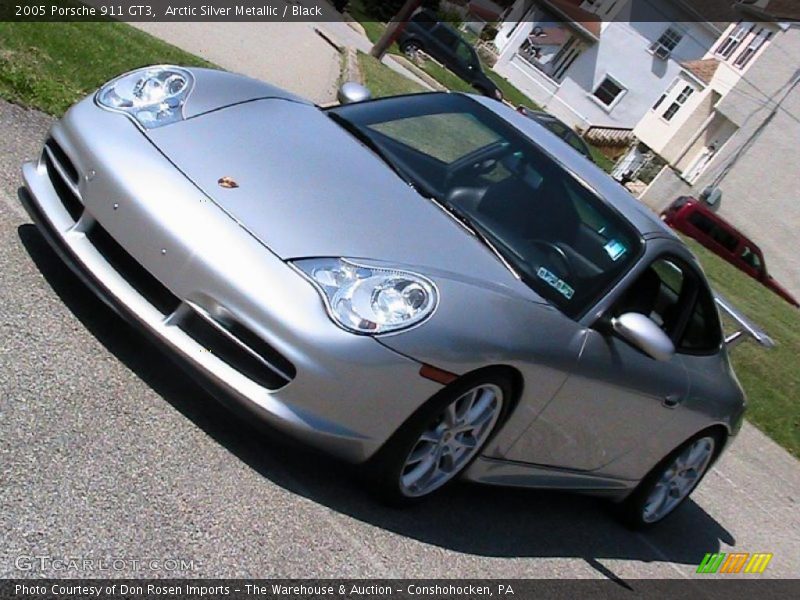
<point>154,96</point>
<point>369,299</point>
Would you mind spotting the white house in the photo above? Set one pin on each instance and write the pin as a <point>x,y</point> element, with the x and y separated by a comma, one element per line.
<point>599,63</point>
<point>728,128</point>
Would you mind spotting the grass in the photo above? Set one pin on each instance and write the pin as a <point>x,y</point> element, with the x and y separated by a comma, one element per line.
<point>382,81</point>
<point>374,29</point>
<point>49,66</point>
<point>771,378</point>
<point>600,159</point>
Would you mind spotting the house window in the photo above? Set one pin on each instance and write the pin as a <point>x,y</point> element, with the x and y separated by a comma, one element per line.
<point>735,37</point>
<point>744,57</point>
<point>609,91</point>
<point>679,101</point>
<point>666,93</point>
<point>664,45</point>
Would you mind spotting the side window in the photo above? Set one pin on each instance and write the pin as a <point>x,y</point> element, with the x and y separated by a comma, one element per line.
<point>674,296</point>
<point>750,257</point>
<point>701,222</point>
<point>724,238</point>
<point>447,37</point>
<point>424,20</point>
<point>656,294</point>
<point>464,53</point>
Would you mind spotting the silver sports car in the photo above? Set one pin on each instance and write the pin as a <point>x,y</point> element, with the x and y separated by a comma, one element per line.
<point>433,285</point>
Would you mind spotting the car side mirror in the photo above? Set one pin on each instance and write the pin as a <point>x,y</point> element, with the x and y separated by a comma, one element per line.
<point>643,333</point>
<point>351,92</point>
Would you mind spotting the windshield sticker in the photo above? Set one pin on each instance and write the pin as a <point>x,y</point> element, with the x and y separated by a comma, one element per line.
<point>560,286</point>
<point>615,249</point>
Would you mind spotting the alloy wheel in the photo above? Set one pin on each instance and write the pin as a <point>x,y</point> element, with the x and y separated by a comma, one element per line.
<point>451,440</point>
<point>678,479</point>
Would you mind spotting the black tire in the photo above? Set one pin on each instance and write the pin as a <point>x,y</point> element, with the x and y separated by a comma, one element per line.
<point>631,511</point>
<point>387,466</point>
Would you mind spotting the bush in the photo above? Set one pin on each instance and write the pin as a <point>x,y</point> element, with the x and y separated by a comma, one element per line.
<point>489,32</point>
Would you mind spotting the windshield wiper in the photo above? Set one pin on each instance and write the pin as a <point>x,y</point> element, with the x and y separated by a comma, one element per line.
<point>423,190</point>
<point>470,225</point>
<point>365,139</point>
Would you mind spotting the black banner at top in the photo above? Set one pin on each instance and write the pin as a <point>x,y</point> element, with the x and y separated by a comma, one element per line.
<point>715,12</point>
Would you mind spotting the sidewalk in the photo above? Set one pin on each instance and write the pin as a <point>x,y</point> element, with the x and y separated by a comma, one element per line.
<point>293,56</point>
<point>290,55</point>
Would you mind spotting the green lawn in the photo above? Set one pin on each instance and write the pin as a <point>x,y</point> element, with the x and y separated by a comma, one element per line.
<point>374,29</point>
<point>51,65</point>
<point>382,81</point>
<point>770,377</point>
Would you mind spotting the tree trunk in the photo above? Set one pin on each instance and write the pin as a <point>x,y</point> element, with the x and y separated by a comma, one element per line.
<point>394,28</point>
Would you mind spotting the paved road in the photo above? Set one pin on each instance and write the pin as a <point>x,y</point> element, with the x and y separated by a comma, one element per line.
<point>108,451</point>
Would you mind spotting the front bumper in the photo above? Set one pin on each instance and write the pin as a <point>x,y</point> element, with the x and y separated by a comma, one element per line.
<point>175,257</point>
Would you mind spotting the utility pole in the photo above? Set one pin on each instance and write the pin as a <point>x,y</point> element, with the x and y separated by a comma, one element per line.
<point>394,28</point>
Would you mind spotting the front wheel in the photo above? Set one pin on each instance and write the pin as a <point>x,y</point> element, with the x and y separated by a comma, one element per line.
<point>436,444</point>
<point>411,50</point>
<point>670,483</point>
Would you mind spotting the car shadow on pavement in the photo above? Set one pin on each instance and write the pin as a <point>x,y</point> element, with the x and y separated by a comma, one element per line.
<point>467,518</point>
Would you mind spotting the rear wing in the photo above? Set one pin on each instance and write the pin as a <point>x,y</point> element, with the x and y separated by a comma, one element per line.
<point>745,326</point>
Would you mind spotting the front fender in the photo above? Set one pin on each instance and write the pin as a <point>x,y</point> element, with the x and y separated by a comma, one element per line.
<point>477,326</point>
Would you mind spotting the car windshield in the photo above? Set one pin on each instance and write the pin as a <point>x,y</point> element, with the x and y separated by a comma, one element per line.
<point>556,233</point>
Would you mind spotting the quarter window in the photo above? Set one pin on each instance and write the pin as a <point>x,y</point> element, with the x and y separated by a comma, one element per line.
<point>608,91</point>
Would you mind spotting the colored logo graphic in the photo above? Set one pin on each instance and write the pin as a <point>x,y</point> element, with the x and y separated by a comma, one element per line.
<point>736,562</point>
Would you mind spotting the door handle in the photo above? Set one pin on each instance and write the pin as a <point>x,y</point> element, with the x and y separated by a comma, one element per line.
<point>672,400</point>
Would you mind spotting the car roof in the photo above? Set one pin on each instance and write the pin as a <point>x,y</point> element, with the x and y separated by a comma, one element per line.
<point>647,222</point>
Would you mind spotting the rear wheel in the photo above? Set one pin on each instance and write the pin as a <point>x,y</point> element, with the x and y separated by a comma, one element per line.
<point>670,483</point>
<point>435,446</point>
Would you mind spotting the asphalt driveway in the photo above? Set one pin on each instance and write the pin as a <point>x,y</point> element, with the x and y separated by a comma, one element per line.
<point>107,451</point>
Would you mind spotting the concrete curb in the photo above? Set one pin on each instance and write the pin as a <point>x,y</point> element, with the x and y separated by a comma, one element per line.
<point>407,64</point>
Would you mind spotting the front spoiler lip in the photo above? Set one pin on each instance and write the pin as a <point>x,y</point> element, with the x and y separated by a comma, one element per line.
<point>332,437</point>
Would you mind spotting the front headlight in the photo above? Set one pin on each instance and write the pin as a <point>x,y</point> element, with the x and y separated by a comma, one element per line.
<point>370,300</point>
<point>154,96</point>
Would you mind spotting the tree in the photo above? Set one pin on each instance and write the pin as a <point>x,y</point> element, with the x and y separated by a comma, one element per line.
<point>395,27</point>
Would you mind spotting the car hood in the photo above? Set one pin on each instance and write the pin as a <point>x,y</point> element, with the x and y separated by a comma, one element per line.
<point>308,188</point>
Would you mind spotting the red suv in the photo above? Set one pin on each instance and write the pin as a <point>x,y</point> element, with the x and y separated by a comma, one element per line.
<point>691,217</point>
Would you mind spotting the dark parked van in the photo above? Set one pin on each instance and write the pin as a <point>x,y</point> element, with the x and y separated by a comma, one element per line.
<point>442,42</point>
<point>691,217</point>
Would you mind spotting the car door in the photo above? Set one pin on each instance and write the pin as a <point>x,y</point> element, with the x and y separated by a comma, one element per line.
<point>617,396</point>
<point>467,65</point>
<point>444,46</point>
